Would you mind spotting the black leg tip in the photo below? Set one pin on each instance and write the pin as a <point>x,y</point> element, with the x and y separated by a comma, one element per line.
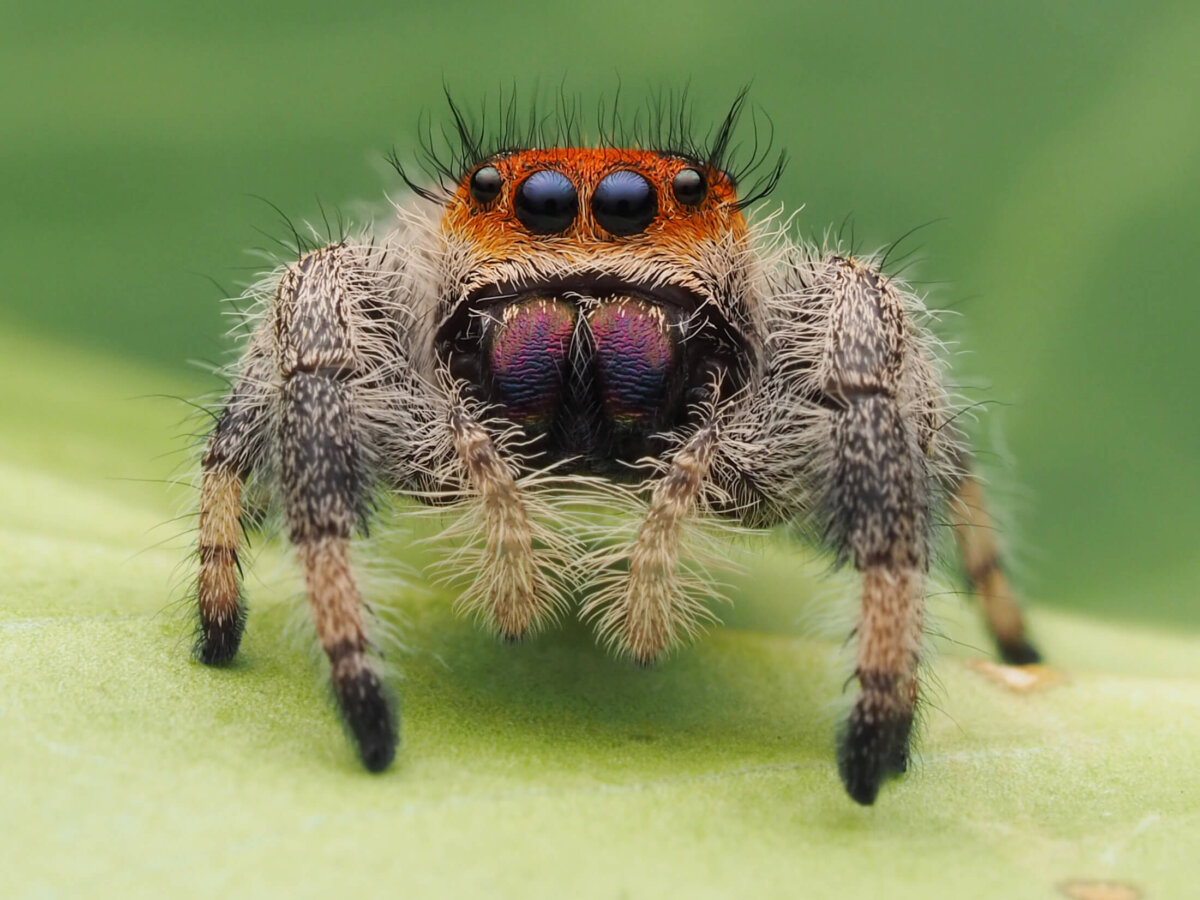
<point>898,764</point>
<point>370,718</point>
<point>646,660</point>
<point>862,786</point>
<point>1020,653</point>
<point>217,642</point>
<point>216,653</point>
<point>377,751</point>
<point>871,752</point>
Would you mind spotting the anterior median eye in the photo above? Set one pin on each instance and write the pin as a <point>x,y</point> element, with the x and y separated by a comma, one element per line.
<point>546,202</point>
<point>485,184</point>
<point>624,203</point>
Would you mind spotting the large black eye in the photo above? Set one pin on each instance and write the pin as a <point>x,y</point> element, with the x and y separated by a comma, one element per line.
<point>546,202</point>
<point>485,184</point>
<point>624,202</point>
<point>689,187</point>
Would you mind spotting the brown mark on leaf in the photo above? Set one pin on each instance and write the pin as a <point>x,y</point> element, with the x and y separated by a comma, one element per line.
<point>1019,679</point>
<point>1099,890</point>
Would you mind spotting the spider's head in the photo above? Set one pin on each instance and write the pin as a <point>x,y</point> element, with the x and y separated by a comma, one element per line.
<point>570,216</point>
<point>596,291</point>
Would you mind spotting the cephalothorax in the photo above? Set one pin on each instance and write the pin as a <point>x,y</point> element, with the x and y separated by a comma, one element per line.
<point>573,317</point>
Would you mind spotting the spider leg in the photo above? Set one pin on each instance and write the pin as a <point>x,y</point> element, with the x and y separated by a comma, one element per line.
<point>841,425</point>
<point>319,468</point>
<point>877,499</point>
<point>509,591</point>
<point>649,610</point>
<point>317,322</point>
<point>981,558</point>
<point>849,420</point>
<point>234,449</point>
<point>307,387</point>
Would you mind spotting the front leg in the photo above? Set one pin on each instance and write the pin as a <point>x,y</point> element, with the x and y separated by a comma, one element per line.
<point>318,320</point>
<point>876,501</point>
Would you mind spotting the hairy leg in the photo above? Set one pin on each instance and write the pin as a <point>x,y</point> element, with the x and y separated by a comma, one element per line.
<point>218,593</point>
<point>318,322</point>
<point>654,609</point>
<point>981,559</point>
<point>649,609</point>
<point>877,503</point>
<point>840,425</point>
<point>510,592</point>
<point>878,506</point>
<point>233,451</point>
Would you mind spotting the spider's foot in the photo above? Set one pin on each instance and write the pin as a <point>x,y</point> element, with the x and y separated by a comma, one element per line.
<point>512,637</point>
<point>370,718</point>
<point>871,749</point>
<point>1019,652</point>
<point>217,640</point>
<point>646,660</point>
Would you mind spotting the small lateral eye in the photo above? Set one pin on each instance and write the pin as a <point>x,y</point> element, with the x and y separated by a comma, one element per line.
<point>485,184</point>
<point>546,202</point>
<point>689,187</point>
<point>624,203</point>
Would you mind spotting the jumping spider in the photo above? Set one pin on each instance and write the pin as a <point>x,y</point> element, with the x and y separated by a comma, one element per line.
<point>583,317</point>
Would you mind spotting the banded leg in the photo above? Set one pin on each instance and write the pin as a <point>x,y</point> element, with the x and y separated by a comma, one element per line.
<point>981,559</point>
<point>877,500</point>
<point>222,612</point>
<point>234,449</point>
<point>510,593</point>
<point>323,479</point>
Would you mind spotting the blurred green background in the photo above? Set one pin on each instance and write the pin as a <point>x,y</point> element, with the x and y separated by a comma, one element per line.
<point>1058,143</point>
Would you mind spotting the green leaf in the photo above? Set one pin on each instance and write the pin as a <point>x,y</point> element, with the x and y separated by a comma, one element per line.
<point>545,769</point>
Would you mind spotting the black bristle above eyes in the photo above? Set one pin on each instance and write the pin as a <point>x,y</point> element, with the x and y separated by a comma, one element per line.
<point>663,123</point>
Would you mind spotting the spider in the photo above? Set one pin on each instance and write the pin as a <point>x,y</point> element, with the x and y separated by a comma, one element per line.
<point>605,321</point>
